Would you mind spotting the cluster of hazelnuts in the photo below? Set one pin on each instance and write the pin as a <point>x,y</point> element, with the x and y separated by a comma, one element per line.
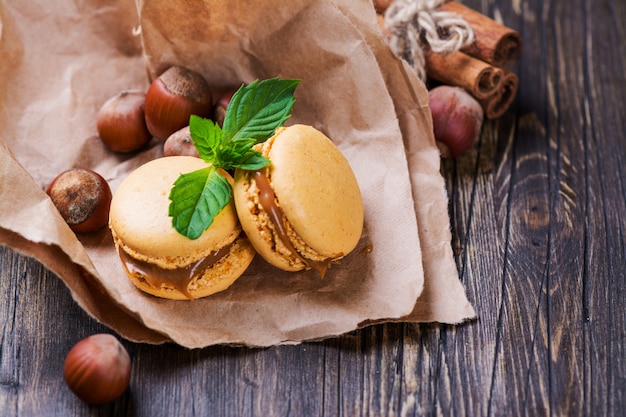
<point>97,368</point>
<point>126,123</point>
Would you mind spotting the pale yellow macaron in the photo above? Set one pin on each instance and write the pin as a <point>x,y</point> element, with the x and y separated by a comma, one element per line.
<point>305,209</point>
<point>159,260</point>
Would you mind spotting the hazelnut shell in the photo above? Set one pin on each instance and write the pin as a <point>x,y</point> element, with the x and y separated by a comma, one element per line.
<point>457,119</point>
<point>83,199</point>
<point>97,369</point>
<point>180,143</point>
<point>219,110</point>
<point>121,122</point>
<point>172,98</point>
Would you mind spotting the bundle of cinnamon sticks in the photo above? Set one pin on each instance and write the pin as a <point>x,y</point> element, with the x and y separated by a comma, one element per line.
<point>481,68</point>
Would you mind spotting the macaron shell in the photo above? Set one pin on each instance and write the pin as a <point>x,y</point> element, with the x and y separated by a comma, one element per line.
<point>139,215</point>
<point>316,189</point>
<point>258,227</point>
<point>213,280</point>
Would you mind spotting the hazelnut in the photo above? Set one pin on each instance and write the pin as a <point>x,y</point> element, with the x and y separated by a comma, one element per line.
<point>382,5</point>
<point>83,198</point>
<point>457,119</point>
<point>121,122</point>
<point>219,110</point>
<point>173,97</point>
<point>97,369</point>
<point>179,143</point>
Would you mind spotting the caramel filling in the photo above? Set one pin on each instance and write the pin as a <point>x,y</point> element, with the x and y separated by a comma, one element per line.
<point>179,278</point>
<point>267,199</point>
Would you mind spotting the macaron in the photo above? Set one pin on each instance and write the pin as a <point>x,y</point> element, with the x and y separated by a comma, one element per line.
<point>304,210</point>
<point>159,260</point>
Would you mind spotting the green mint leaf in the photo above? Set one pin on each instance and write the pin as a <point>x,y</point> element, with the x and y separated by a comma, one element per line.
<point>207,138</point>
<point>252,116</point>
<point>256,110</point>
<point>196,198</point>
<point>235,151</point>
<point>253,161</point>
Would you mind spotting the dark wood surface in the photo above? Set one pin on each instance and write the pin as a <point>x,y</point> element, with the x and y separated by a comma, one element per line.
<point>538,211</point>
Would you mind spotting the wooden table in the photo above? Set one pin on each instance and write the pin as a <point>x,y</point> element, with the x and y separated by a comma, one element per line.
<point>538,212</point>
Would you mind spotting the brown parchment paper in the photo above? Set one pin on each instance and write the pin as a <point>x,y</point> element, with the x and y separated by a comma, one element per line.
<point>59,64</point>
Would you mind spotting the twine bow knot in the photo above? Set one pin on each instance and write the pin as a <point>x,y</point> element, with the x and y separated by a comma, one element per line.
<point>416,26</point>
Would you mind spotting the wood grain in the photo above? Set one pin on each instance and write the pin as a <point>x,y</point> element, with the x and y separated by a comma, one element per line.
<point>538,213</point>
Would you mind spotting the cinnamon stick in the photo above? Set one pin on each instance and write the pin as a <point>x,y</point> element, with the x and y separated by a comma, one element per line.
<point>479,78</point>
<point>495,43</point>
<point>498,103</point>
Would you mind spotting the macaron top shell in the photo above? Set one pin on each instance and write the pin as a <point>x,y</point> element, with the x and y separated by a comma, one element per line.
<point>316,189</point>
<point>140,222</point>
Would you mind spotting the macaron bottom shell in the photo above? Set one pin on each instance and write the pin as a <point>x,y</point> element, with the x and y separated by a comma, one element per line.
<point>260,228</point>
<point>215,277</point>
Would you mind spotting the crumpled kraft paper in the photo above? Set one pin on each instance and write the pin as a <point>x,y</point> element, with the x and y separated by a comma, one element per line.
<point>59,64</point>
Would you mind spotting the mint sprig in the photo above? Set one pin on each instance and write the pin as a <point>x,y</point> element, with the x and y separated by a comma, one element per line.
<point>252,116</point>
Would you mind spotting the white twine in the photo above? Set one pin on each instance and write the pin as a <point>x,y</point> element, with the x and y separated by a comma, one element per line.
<point>416,26</point>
